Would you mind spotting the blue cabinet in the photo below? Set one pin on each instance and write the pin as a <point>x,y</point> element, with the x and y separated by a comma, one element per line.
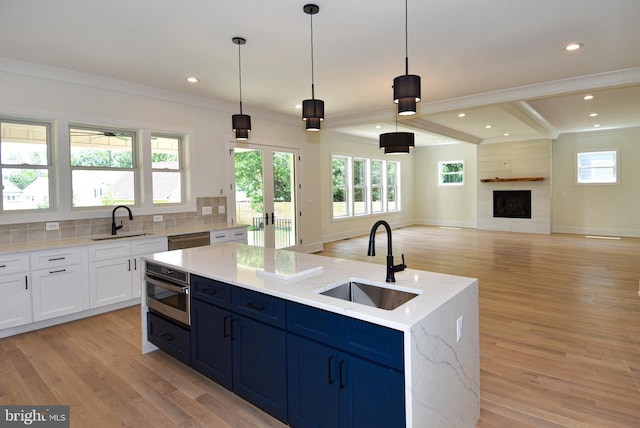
<point>172,338</point>
<point>350,375</point>
<point>238,340</point>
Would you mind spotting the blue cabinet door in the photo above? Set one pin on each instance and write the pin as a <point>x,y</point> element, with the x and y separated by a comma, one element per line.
<point>260,365</point>
<point>313,384</point>
<point>371,396</point>
<point>211,342</point>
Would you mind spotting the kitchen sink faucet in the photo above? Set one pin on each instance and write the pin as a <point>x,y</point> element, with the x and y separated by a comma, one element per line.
<point>114,228</point>
<point>391,269</point>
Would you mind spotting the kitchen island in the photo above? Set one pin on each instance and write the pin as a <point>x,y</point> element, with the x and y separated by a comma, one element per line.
<point>438,328</point>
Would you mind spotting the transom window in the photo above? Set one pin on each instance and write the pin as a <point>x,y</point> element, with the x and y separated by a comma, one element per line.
<point>362,186</point>
<point>102,167</point>
<point>25,165</point>
<point>597,167</point>
<point>451,173</point>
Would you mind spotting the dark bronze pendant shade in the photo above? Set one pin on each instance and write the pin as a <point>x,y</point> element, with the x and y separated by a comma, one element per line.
<point>240,123</point>
<point>312,109</point>
<point>397,142</point>
<point>406,88</point>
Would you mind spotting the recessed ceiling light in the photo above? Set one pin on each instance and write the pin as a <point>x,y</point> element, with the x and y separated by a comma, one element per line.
<point>378,126</point>
<point>488,126</point>
<point>587,97</point>
<point>461,115</point>
<point>192,79</point>
<point>506,134</point>
<point>597,125</point>
<point>593,114</point>
<point>573,46</point>
<point>297,106</point>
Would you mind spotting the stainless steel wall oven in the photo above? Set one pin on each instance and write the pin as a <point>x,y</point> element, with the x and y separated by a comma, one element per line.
<point>167,292</point>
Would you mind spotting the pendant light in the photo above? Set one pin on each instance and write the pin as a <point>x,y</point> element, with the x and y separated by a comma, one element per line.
<point>313,109</point>
<point>406,88</point>
<point>241,123</point>
<point>397,142</point>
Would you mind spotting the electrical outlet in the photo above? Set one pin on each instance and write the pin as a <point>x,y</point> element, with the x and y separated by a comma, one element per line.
<point>206,210</point>
<point>221,209</point>
<point>157,218</point>
<point>459,329</point>
<point>53,225</point>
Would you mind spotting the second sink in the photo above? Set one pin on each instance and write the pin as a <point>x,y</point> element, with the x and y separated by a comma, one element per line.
<point>370,295</point>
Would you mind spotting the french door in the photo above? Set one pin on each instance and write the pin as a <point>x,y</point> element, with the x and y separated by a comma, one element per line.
<point>265,187</point>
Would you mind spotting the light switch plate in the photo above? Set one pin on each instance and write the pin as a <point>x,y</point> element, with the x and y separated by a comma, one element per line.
<point>206,210</point>
<point>52,225</point>
<point>221,209</point>
<point>157,218</point>
<point>459,329</point>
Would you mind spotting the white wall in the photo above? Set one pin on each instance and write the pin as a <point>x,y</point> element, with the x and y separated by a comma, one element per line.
<point>337,144</point>
<point>445,205</point>
<point>597,209</point>
<point>64,97</point>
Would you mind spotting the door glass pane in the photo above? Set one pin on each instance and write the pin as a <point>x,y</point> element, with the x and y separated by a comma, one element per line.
<point>283,200</point>
<point>250,193</point>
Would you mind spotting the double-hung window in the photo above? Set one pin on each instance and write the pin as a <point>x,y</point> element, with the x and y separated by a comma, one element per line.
<point>597,167</point>
<point>362,186</point>
<point>166,162</point>
<point>451,173</point>
<point>25,165</point>
<point>103,167</point>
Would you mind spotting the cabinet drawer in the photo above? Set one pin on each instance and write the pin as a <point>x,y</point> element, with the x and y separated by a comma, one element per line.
<point>261,307</point>
<point>238,235</point>
<point>211,291</point>
<point>113,250</point>
<point>171,338</point>
<point>219,236</point>
<point>373,342</point>
<point>312,323</point>
<point>55,258</point>
<point>14,263</point>
<point>148,246</point>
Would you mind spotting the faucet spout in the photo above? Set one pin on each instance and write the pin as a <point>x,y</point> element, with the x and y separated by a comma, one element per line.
<point>114,228</point>
<point>391,268</point>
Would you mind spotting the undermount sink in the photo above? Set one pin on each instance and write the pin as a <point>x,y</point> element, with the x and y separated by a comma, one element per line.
<point>369,294</point>
<point>124,235</point>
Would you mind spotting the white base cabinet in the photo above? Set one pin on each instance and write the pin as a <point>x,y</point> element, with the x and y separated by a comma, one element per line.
<point>59,278</point>
<point>15,291</point>
<point>115,269</point>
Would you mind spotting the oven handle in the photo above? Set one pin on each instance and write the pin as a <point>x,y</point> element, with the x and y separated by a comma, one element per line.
<point>177,289</point>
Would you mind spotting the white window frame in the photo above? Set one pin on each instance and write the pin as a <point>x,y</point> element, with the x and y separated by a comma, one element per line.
<point>368,190</point>
<point>442,174</point>
<point>615,166</point>
<point>364,187</point>
<point>47,167</point>
<point>180,169</point>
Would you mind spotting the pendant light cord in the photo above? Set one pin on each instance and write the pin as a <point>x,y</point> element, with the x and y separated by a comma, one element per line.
<point>240,76</point>
<point>406,36</point>
<point>312,77</point>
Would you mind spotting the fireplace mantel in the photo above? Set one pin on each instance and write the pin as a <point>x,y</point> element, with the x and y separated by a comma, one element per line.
<point>505,180</point>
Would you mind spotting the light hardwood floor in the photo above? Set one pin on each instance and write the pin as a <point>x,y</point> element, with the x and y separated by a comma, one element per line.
<point>559,341</point>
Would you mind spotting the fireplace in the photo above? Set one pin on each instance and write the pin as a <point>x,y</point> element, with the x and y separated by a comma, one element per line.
<point>512,203</point>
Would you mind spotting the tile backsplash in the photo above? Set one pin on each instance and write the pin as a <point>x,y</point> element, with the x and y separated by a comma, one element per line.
<point>19,233</point>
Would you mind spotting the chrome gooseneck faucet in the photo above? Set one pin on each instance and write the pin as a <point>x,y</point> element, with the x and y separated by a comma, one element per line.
<point>114,228</point>
<point>391,269</point>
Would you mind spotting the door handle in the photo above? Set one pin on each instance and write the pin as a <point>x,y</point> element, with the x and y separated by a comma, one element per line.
<point>266,219</point>
<point>273,219</point>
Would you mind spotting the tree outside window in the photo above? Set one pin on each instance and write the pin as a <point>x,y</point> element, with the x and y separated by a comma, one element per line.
<point>451,173</point>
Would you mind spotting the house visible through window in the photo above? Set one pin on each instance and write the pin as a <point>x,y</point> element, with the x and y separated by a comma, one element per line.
<point>597,167</point>
<point>363,186</point>
<point>102,167</point>
<point>25,165</point>
<point>451,173</point>
<point>166,161</point>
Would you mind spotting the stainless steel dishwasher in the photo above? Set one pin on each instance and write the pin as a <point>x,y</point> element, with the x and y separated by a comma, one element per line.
<point>188,240</point>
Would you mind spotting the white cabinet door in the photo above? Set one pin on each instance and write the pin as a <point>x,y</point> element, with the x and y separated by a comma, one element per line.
<point>110,281</point>
<point>15,300</point>
<point>57,292</point>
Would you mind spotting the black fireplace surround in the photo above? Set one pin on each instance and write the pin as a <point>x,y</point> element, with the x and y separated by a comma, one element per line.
<point>512,203</point>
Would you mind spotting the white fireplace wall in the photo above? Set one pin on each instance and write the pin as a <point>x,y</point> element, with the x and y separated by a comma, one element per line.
<point>518,159</point>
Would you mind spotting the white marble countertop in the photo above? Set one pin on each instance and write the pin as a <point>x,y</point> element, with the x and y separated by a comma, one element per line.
<point>241,265</point>
<point>123,236</point>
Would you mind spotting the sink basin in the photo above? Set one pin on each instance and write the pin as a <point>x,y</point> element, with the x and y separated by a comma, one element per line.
<point>370,294</point>
<point>124,235</point>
